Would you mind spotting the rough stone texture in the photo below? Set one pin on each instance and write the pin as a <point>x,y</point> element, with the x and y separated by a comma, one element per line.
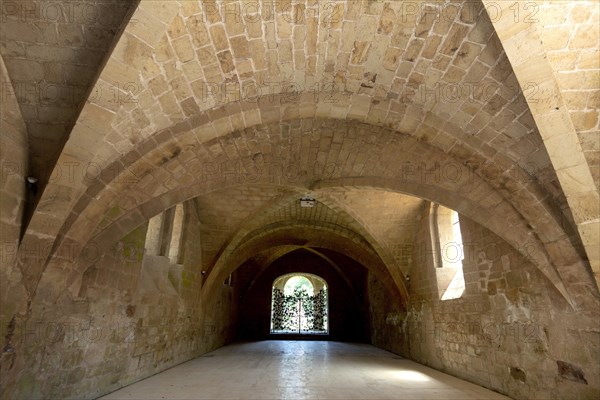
<point>391,223</point>
<point>135,315</point>
<point>198,84</point>
<point>13,196</point>
<point>53,51</point>
<point>372,107</point>
<point>308,153</point>
<point>553,117</point>
<point>507,332</point>
<point>573,54</point>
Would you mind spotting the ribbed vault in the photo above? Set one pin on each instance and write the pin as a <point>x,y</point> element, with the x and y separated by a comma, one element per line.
<point>311,154</point>
<point>239,108</point>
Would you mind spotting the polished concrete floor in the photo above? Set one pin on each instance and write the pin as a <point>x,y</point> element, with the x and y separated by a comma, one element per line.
<point>302,370</point>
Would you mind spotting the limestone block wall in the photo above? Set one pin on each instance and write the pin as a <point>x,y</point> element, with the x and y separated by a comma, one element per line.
<point>135,315</point>
<point>570,36</point>
<point>511,331</point>
<point>53,52</point>
<point>13,196</point>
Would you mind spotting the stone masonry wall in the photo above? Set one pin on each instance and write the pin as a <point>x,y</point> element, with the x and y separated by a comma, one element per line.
<point>135,315</point>
<point>510,331</point>
<point>13,197</point>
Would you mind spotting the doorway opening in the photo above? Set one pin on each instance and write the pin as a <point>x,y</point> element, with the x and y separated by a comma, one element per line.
<point>299,305</point>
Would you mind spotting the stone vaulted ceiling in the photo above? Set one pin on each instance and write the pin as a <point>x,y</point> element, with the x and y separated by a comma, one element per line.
<point>370,106</point>
<point>53,52</point>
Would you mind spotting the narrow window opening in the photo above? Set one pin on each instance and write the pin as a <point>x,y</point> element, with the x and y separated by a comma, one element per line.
<point>153,235</point>
<point>448,252</point>
<point>176,234</point>
<point>165,233</point>
<point>167,229</point>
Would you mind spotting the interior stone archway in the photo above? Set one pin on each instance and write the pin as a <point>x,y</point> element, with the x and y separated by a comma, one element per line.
<point>237,109</point>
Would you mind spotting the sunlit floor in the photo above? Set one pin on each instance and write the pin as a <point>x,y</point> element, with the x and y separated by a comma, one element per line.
<point>302,370</point>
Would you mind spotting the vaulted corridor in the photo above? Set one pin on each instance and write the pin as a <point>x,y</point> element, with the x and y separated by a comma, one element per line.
<point>302,370</point>
<point>426,174</point>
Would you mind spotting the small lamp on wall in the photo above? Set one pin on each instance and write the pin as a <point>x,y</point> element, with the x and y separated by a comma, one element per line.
<point>307,202</point>
<point>31,184</point>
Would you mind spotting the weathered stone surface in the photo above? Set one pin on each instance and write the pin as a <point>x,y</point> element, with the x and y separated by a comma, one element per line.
<point>375,108</point>
<point>63,44</point>
<point>502,333</point>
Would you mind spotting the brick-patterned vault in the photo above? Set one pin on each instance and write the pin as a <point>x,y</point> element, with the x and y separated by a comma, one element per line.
<point>153,150</point>
<point>53,53</point>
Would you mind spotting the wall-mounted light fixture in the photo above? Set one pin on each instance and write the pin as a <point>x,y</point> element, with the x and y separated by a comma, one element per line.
<point>31,184</point>
<point>307,202</point>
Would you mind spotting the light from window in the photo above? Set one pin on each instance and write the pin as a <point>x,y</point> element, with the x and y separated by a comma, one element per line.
<point>153,235</point>
<point>165,232</point>
<point>449,254</point>
<point>176,234</point>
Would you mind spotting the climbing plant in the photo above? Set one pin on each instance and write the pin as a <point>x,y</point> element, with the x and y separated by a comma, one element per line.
<point>319,321</point>
<point>299,311</point>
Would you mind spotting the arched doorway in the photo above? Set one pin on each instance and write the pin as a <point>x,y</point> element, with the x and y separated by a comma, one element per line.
<point>299,305</point>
